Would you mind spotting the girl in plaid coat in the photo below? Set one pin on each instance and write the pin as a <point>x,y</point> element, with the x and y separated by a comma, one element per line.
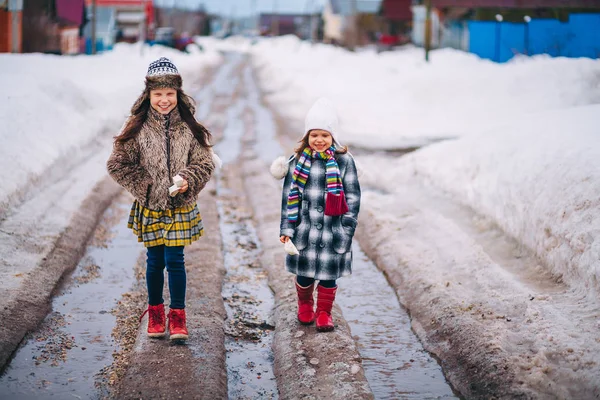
<point>320,204</point>
<point>160,140</point>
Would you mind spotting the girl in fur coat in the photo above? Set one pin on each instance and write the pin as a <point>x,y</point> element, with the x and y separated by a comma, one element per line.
<point>319,213</point>
<point>162,140</point>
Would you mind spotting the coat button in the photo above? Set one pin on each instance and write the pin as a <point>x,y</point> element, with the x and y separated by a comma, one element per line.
<point>319,226</point>
<point>320,209</point>
<point>321,245</point>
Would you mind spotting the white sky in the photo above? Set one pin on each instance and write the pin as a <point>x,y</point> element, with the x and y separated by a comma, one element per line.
<point>238,8</point>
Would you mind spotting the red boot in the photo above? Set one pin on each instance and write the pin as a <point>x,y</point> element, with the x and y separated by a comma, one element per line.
<point>177,328</point>
<point>306,304</point>
<point>156,320</point>
<point>325,298</point>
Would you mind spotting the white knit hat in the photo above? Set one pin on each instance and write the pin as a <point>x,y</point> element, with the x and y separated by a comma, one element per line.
<point>322,115</point>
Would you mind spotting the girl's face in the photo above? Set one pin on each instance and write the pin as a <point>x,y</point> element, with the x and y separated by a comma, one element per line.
<point>319,140</point>
<point>163,100</point>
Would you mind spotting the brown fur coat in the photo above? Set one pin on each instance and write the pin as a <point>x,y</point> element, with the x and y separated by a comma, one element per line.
<point>145,168</point>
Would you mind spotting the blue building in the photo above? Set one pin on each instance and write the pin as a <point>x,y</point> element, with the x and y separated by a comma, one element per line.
<point>500,29</point>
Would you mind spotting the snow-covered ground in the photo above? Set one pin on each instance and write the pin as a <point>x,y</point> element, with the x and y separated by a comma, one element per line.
<point>55,105</point>
<point>529,133</point>
<point>537,177</point>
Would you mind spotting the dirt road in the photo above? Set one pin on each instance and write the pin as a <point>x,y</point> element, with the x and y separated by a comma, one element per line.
<point>245,342</point>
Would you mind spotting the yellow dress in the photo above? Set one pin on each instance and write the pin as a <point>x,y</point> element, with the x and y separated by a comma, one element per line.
<point>178,227</point>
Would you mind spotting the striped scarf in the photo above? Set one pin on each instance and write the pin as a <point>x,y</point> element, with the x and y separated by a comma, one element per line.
<point>300,176</point>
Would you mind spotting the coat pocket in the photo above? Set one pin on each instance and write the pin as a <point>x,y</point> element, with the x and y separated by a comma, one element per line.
<point>343,231</point>
<point>300,238</point>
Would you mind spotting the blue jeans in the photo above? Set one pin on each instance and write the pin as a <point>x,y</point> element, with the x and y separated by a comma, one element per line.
<point>172,258</point>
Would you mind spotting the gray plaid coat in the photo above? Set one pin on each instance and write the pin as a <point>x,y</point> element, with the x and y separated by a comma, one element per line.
<point>324,242</point>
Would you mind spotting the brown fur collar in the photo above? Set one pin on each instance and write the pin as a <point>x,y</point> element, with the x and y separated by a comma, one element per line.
<point>157,120</point>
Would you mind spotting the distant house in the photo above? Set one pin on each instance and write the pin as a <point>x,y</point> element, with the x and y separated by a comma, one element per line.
<point>134,19</point>
<point>345,21</point>
<point>454,34</point>
<point>500,29</point>
<point>396,16</point>
<point>52,26</point>
<point>184,22</point>
<point>284,24</point>
<point>70,15</point>
<point>10,39</point>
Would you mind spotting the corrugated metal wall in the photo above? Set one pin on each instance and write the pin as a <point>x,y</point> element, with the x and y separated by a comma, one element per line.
<point>501,41</point>
<point>517,3</point>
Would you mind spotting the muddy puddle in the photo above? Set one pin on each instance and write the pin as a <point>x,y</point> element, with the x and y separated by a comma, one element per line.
<point>248,302</point>
<point>395,363</point>
<point>247,296</point>
<point>64,356</point>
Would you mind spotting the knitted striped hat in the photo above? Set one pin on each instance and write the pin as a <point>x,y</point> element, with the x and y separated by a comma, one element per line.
<point>162,73</point>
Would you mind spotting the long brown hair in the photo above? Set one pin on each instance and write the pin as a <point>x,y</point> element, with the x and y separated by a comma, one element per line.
<point>304,144</point>
<point>185,105</point>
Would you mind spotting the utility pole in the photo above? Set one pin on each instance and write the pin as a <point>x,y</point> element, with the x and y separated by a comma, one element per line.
<point>310,10</point>
<point>15,7</point>
<point>93,22</point>
<point>275,20</point>
<point>527,20</point>
<point>256,19</point>
<point>499,20</point>
<point>308,23</point>
<point>313,27</point>
<point>171,11</point>
<point>143,26</point>
<point>354,33</point>
<point>427,29</point>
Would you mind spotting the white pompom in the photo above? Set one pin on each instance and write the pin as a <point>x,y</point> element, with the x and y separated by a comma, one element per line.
<point>216,160</point>
<point>279,167</point>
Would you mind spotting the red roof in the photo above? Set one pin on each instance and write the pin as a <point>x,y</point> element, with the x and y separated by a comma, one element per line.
<point>397,10</point>
<point>516,3</point>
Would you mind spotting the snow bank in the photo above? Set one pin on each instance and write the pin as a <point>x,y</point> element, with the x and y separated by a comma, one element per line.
<point>538,178</point>
<point>395,99</point>
<point>56,104</point>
